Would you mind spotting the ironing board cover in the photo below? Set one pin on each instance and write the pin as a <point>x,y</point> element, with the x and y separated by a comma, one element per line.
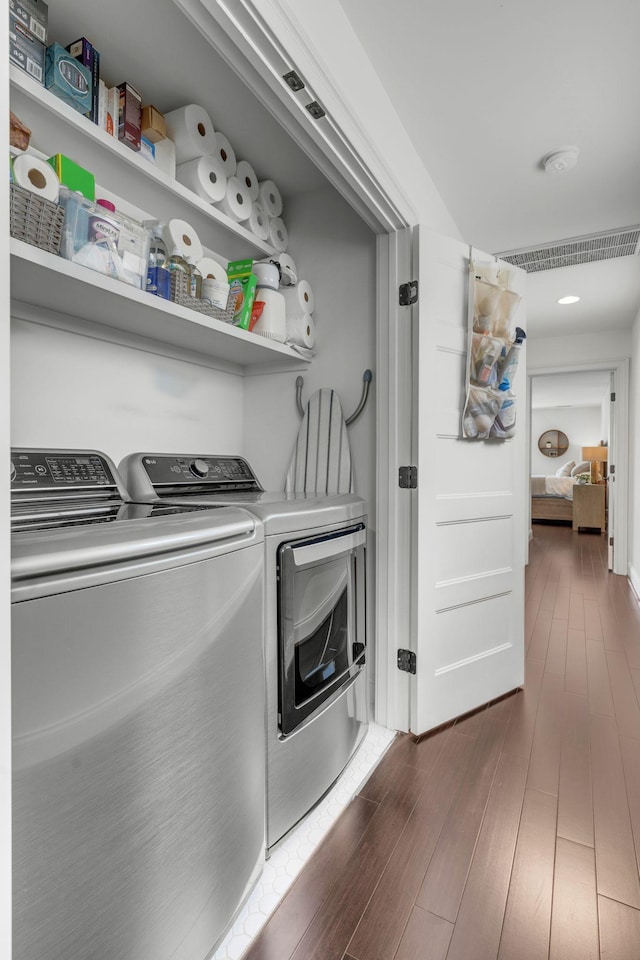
<point>321,459</point>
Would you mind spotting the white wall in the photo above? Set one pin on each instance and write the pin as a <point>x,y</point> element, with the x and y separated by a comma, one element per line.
<point>580,424</point>
<point>70,390</point>
<point>578,349</point>
<point>5,632</point>
<point>634,455</point>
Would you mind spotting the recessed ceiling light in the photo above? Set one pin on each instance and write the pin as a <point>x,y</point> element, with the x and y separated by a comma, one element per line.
<point>561,161</point>
<point>568,300</point>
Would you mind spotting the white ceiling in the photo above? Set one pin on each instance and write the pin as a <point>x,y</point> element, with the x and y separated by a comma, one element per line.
<point>569,390</point>
<point>485,89</point>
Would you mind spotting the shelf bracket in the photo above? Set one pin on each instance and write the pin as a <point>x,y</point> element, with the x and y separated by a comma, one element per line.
<point>367,377</point>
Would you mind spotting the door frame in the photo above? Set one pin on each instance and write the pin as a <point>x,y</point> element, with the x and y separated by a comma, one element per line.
<point>619,369</point>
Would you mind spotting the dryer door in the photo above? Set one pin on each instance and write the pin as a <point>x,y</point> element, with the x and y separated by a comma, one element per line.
<point>321,621</point>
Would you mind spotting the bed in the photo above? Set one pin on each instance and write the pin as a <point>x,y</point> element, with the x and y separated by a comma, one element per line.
<point>552,496</point>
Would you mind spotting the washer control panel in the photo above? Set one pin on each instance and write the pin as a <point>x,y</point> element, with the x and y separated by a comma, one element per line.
<point>211,474</point>
<point>52,470</point>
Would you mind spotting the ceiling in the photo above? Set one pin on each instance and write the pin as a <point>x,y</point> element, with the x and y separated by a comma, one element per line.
<point>487,88</point>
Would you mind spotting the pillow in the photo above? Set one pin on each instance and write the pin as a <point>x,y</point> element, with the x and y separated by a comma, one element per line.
<point>581,468</point>
<point>565,469</point>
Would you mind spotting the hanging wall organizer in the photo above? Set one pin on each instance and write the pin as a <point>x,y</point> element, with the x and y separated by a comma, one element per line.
<point>493,351</point>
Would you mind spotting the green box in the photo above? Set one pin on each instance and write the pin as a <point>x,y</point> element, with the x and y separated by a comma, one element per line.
<point>73,176</point>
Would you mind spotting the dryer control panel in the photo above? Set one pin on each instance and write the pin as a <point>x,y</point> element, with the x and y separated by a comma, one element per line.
<point>199,473</point>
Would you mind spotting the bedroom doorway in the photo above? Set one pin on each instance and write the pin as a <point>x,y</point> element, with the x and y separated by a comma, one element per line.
<point>589,404</point>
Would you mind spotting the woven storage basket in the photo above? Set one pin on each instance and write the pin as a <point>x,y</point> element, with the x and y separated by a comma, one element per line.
<point>180,294</point>
<point>35,220</point>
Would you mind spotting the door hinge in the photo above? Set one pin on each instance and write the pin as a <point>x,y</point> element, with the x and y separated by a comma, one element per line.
<point>408,293</point>
<point>316,111</point>
<point>610,541</point>
<point>406,661</point>
<point>613,397</point>
<point>293,80</point>
<point>612,469</point>
<point>408,478</point>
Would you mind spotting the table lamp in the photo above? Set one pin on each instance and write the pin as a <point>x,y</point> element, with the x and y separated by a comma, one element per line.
<point>597,456</point>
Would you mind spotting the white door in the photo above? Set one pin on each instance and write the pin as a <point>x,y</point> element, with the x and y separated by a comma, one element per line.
<point>469,508</point>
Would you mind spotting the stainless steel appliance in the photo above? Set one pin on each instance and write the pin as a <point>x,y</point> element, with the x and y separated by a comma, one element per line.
<point>138,706</point>
<point>315,636</point>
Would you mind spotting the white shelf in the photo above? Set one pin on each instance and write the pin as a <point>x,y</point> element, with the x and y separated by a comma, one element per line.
<point>45,108</point>
<point>61,287</point>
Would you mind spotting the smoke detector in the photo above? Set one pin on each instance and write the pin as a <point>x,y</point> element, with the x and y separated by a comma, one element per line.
<point>561,161</point>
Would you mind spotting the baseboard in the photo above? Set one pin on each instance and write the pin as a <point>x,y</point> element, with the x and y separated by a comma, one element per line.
<point>634,580</point>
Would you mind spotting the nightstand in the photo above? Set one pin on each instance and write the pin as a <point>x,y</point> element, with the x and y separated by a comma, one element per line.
<point>589,501</point>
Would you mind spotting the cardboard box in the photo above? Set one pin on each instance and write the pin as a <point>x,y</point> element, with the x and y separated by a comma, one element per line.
<point>84,52</point>
<point>113,107</point>
<point>153,126</point>
<point>33,15</point>
<point>242,291</point>
<point>147,150</point>
<point>67,78</point>
<point>129,116</point>
<point>25,50</point>
<point>73,176</point>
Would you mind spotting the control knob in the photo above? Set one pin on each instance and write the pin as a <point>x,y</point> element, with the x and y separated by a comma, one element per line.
<point>199,468</point>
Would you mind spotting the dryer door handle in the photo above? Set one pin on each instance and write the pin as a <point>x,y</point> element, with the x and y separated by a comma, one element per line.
<point>329,549</point>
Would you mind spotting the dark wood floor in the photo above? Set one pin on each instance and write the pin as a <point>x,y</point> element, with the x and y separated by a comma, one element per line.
<point>513,834</point>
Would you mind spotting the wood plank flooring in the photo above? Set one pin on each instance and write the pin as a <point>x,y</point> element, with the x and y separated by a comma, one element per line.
<point>514,833</point>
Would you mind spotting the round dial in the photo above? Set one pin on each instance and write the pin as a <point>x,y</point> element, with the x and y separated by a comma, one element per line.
<point>199,468</point>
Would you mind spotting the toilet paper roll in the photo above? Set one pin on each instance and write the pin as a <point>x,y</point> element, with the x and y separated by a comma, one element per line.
<point>259,222</point>
<point>246,173</point>
<point>236,203</point>
<point>299,299</point>
<point>212,269</point>
<point>288,270</point>
<point>225,154</point>
<point>191,130</point>
<point>36,176</point>
<point>301,331</point>
<point>278,235</point>
<point>205,177</point>
<point>180,234</point>
<point>270,198</point>
<point>165,154</point>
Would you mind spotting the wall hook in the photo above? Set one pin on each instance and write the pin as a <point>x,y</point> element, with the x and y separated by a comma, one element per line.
<point>367,377</point>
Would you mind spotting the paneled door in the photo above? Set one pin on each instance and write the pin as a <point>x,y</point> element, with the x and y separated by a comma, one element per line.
<point>469,520</point>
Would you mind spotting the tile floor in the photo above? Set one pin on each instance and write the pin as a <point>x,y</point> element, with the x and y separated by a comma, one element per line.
<point>291,855</point>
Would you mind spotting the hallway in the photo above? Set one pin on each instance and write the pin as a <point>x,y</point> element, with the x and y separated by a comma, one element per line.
<point>513,834</point>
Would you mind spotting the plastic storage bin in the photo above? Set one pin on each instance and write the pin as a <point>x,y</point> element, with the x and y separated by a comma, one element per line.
<point>104,240</point>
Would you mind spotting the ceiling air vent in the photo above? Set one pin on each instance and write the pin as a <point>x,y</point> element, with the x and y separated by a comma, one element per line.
<point>569,253</point>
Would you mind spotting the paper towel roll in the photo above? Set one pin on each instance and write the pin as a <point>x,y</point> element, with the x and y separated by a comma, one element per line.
<point>180,234</point>
<point>278,236</point>
<point>165,154</point>
<point>204,176</point>
<point>212,269</point>
<point>270,198</point>
<point>225,154</point>
<point>191,130</point>
<point>259,222</point>
<point>301,331</point>
<point>37,176</point>
<point>246,173</point>
<point>288,270</point>
<point>299,299</point>
<point>236,203</point>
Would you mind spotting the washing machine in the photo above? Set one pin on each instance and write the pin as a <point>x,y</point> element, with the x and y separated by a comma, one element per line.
<point>314,618</point>
<point>138,803</point>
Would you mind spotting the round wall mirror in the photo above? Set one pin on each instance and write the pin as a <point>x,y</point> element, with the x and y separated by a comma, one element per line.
<point>553,443</point>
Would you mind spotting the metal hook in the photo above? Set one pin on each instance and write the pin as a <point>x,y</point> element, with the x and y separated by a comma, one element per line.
<point>367,377</point>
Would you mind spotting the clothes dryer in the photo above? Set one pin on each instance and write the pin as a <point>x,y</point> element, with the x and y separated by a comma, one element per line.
<point>314,618</point>
<point>138,805</point>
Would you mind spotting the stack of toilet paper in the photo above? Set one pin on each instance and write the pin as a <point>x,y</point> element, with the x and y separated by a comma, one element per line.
<point>207,164</point>
<point>299,306</point>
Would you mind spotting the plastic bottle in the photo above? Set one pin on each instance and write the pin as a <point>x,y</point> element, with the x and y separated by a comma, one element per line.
<point>195,285</point>
<point>508,365</point>
<point>158,277</point>
<point>103,227</point>
<point>179,274</point>
<point>504,425</point>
